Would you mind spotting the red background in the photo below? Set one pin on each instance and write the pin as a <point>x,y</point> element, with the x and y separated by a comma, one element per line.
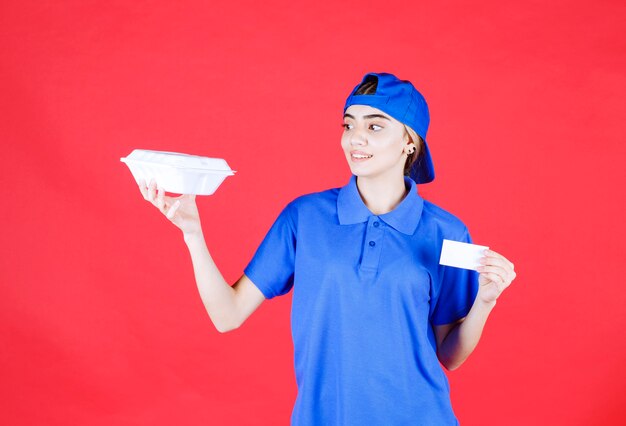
<point>100,319</point>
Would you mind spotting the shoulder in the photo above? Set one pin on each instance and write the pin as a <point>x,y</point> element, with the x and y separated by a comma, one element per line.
<point>315,200</point>
<point>315,206</point>
<point>445,222</point>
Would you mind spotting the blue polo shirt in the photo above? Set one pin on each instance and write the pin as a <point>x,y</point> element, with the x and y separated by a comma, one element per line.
<point>367,290</point>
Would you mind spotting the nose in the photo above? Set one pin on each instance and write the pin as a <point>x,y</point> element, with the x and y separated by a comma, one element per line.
<point>358,138</point>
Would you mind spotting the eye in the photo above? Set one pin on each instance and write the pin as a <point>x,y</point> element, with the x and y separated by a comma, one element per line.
<point>347,126</point>
<point>375,127</point>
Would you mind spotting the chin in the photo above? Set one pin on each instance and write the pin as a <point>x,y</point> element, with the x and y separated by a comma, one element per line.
<point>357,171</point>
<point>361,173</point>
<point>368,173</point>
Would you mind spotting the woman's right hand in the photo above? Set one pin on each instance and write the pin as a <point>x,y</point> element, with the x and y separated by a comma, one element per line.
<point>181,211</point>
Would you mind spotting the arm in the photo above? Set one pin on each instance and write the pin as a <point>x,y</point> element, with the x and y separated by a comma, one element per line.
<point>228,307</point>
<point>456,341</point>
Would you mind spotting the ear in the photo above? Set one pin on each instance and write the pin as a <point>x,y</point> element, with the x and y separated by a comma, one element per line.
<point>410,147</point>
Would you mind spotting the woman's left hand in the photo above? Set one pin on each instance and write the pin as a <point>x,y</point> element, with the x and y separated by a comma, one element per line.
<point>496,274</point>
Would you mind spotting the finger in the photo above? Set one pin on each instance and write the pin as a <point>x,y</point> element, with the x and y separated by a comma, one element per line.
<point>491,253</point>
<point>160,200</point>
<point>143,189</point>
<point>172,210</point>
<point>493,269</point>
<point>488,259</point>
<point>168,200</point>
<point>152,191</point>
<point>506,274</point>
<point>496,278</point>
<point>503,281</point>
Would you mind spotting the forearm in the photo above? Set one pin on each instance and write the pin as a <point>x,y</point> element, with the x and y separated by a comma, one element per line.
<point>463,338</point>
<point>218,297</point>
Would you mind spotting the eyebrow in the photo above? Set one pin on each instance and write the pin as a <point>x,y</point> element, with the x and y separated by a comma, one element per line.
<point>368,116</point>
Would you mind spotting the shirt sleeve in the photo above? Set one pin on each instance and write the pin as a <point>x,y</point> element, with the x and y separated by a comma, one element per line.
<point>272,266</point>
<point>457,291</point>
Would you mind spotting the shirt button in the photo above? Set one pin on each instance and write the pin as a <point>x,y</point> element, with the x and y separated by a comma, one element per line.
<point>372,243</point>
<point>376,224</point>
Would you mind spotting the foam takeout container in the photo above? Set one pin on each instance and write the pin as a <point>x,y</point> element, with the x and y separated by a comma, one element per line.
<point>178,173</point>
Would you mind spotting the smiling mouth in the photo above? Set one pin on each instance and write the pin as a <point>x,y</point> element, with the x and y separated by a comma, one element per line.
<point>361,156</point>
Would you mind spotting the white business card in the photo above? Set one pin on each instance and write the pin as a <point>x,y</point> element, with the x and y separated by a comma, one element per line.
<point>461,255</point>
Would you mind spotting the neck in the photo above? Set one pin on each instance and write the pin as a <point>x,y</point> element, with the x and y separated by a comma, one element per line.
<point>381,195</point>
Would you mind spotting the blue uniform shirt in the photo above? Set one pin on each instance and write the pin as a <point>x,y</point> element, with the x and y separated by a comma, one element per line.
<point>367,291</point>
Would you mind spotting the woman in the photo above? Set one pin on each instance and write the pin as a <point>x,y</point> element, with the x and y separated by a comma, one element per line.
<point>373,312</point>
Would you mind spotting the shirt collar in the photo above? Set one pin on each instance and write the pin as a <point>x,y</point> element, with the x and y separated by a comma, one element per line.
<point>351,209</point>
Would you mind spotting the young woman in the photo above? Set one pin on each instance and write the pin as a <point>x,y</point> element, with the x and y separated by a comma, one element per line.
<point>374,315</point>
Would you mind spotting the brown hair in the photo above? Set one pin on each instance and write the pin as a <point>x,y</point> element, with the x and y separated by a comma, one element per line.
<point>368,87</point>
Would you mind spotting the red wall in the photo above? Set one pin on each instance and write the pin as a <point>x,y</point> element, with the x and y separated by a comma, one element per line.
<point>100,319</point>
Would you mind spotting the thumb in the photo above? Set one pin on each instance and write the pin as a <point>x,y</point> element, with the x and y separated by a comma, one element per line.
<point>172,210</point>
